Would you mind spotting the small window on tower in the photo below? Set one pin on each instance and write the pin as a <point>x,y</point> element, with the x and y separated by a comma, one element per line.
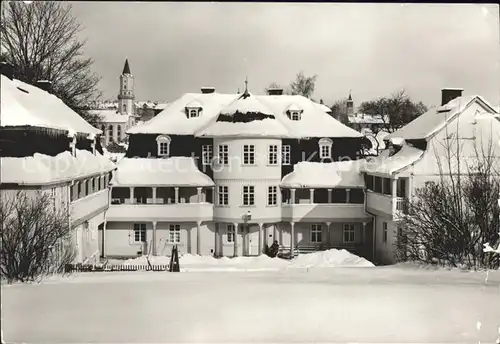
<point>124,107</point>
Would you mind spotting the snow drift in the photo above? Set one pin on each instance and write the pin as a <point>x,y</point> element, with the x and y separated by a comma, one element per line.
<point>329,258</point>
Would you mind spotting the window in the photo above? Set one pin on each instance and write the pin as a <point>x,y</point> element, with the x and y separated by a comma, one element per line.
<point>192,113</point>
<point>316,233</point>
<point>79,189</point>
<point>286,155</point>
<point>230,233</point>
<point>206,154</point>
<point>139,232</point>
<point>248,195</point>
<point>295,115</point>
<point>119,131</point>
<point>384,233</point>
<point>175,234</point>
<point>273,155</point>
<point>349,233</point>
<point>223,155</point>
<point>163,145</point>
<point>248,154</point>
<point>110,132</point>
<point>272,195</point>
<point>124,107</point>
<point>223,195</point>
<point>325,148</point>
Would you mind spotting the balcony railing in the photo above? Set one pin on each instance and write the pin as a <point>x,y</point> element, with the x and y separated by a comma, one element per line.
<point>160,212</point>
<point>386,204</point>
<point>323,211</point>
<point>86,207</point>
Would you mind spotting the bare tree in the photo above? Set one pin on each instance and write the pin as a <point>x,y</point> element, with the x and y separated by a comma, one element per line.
<point>303,85</point>
<point>395,111</point>
<point>35,236</point>
<point>40,41</point>
<point>452,221</point>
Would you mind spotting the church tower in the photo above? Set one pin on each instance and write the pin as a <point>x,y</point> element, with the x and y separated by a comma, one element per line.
<point>126,95</point>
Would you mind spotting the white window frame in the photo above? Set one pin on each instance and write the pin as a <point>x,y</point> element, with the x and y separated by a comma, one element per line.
<point>163,145</point>
<point>139,232</point>
<point>192,112</point>
<point>286,155</point>
<point>385,227</point>
<point>174,234</point>
<point>350,230</point>
<point>248,195</point>
<point>222,195</point>
<point>295,115</point>
<point>325,148</point>
<point>316,233</point>
<point>230,233</point>
<point>223,154</point>
<point>272,152</point>
<point>272,196</point>
<point>206,154</point>
<point>248,154</point>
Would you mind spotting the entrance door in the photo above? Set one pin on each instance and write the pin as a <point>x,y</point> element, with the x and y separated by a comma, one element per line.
<point>253,240</point>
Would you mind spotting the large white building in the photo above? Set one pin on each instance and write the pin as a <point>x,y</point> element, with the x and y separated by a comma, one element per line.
<point>49,148</point>
<point>224,174</point>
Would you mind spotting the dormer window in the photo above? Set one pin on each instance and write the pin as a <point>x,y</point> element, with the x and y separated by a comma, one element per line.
<point>163,142</point>
<point>193,113</point>
<point>295,115</point>
<point>325,148</point>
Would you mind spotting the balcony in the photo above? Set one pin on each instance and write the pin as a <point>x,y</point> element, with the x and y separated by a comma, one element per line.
<point>180,212</point>
<point>323,212</point>
<point>386,205</point>
<point>89,206</point>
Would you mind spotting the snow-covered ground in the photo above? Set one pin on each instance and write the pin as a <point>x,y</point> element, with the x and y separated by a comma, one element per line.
<point>188,262</point>
<point>377,304</point>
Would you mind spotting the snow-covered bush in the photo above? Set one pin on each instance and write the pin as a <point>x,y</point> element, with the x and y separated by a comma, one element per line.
<point>35,235</point>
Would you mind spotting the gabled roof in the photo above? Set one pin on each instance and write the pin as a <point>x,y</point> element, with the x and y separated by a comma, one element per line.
<point>245,116</point>
<point>24,105</point>
<point>431,122</point>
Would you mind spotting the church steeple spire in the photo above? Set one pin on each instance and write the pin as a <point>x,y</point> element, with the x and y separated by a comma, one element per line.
<point>126,67</point>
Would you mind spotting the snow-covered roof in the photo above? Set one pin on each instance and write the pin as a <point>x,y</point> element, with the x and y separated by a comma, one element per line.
<point>361,118</point>
<point>26,105</point>
<point>314,122</point>
<point>385,164</point>
<point>325,175</point>
<point>174,121</point>
<point>110,116</point>
<point>245,116</point>
<point>161,106</point>
<point>435,119</point>
<point>375,139</point>
<point>173,171</point>
<point>43,169</point>
<point>324,108</point>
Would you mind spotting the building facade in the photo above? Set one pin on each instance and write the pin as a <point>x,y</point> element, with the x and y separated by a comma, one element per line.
<point>219,174</point>
<point>55,155</point>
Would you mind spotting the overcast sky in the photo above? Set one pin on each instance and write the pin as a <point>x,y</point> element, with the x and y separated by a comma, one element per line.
<point>373,49</point>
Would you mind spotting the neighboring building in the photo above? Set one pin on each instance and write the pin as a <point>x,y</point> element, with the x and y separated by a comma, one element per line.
<point>48,147</point>
<point>226,174</point>
<point>418,149</point>
<point>147,110</point>
<point>361,121</point>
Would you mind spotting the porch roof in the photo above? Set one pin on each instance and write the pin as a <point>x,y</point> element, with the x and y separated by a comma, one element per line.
<point>173,171</point>
<point>387,165</point>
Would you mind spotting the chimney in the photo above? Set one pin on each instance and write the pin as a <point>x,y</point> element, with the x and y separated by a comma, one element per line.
<point>207,90</point>
<point>44,85</point>
<point>7,70</point>
<point>448,94</point>
<point>274,91</point>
